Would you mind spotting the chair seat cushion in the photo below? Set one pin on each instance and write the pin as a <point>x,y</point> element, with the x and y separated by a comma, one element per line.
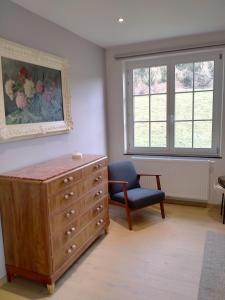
<point>140,197</point>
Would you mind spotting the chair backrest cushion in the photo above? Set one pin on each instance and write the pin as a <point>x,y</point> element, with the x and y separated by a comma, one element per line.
<point>221,181</point>
<point>122,170</point>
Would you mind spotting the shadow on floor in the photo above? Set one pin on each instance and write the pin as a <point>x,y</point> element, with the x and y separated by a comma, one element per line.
<point>141,219</point>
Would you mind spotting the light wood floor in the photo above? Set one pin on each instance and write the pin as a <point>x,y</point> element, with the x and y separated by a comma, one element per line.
<point>159,259</point>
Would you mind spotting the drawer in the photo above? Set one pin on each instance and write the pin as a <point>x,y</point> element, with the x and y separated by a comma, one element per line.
<point>95,179</point>
<point>71,213</point>
<point>96,194</point>
<point>59,206</point>
<point>66,234</point>
<point>94,167</point>
<point>64,182</point>
<point>76,193</point>
<point>72,248</point>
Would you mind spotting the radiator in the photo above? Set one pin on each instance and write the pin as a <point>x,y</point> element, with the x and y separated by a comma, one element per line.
<point>187,179</point>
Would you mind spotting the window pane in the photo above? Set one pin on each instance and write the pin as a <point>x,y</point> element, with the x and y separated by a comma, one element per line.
<point>141,108</point>
<point>204,73</point>
<point>158,79</point>
<point>202,134</point>
<point>183,106</point>
<point>158,134</point>
<point>158,108</point>
<point>141,134</point>
<point>183,77</point>
<point>141,81</point>
<point>183,134</point>
<point>203,105</point>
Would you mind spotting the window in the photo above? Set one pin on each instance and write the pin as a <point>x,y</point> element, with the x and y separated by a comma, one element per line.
<point>173,104</point>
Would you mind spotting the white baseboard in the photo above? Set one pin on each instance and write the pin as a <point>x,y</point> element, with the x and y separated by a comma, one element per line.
<point>184,201</point>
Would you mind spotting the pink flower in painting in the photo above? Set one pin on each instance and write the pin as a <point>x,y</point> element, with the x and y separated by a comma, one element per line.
<point>21,100</point>
<point>39,86</point>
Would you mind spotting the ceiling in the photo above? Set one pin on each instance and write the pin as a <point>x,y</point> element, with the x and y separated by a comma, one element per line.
<point>145,20</point>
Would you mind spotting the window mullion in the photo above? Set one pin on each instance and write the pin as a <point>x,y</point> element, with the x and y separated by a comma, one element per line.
<point>218,95</point>
<point>171,105</point>
<point>193,105</point>
<point>149,99</point>
<point>130,110</point>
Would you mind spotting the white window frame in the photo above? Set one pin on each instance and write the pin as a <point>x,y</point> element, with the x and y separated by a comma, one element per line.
<point>216,54</point>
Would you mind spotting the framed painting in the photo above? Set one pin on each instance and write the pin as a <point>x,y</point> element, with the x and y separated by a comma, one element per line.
<point>34,93</point>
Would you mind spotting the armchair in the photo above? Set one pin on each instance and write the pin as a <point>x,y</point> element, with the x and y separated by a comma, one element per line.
<point>125,190</point>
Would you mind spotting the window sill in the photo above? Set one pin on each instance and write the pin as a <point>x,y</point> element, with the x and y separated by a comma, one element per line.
<point>172,156</point>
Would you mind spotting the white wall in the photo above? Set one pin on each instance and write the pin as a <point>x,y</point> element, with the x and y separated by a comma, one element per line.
<point>115,102</point>
<point>87,68</point>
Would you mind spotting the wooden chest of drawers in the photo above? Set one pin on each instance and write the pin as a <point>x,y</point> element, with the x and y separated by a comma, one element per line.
<point>51,213</point>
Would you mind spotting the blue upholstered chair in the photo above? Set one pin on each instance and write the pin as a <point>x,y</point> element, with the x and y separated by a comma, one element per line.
<point>125,189</point>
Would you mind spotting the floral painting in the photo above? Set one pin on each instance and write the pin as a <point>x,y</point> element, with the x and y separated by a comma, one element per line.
<point>32,93</point>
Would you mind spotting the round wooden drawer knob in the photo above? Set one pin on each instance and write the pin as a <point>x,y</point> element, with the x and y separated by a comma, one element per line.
<point>69,251</point>
<point>68,232</point>
<point>73,228</point>
<point>100,222</point>
<point>66,197</point>
<point>71,193</point>
<point>99,193</point>
<point>66,180</point>
<point>70,178</point>
<point>74,246</point>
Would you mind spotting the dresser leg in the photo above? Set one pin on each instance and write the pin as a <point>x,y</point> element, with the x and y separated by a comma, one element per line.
<point>51,288</point>
<point>10,277</point>
<point>106,230</point>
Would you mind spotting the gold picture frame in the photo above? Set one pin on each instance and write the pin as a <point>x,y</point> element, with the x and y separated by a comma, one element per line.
<point>35,97</point>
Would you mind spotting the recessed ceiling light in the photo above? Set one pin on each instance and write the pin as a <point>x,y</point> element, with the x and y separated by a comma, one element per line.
<point>120,20</point>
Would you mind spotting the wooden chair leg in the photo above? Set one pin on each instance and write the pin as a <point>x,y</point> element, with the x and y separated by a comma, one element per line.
<point>129,218</point>
<point>162,209</point>
<point>222,204</point>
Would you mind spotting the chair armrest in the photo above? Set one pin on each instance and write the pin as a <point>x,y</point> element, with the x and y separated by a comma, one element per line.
<point>124,184</point>
<point>157,179</point>
<point>149,174</point>
<point>117,182</point>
